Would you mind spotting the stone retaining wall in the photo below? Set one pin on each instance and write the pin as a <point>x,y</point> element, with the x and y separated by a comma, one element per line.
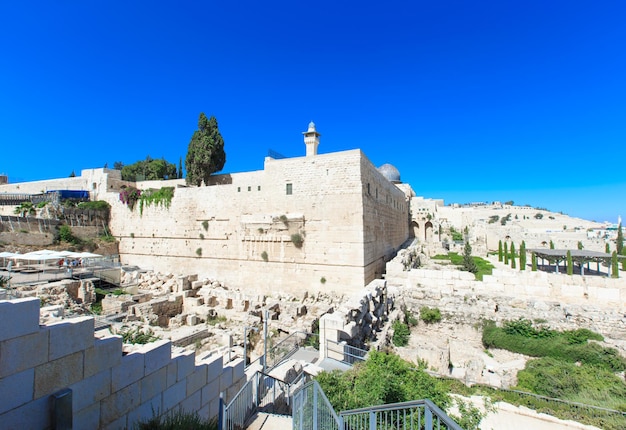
<point>113,386</point>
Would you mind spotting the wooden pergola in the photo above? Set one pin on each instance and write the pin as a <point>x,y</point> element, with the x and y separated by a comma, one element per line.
<point>579,256</point>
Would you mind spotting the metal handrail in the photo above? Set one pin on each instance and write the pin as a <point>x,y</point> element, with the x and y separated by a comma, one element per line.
<point>351,354</point>
<point>272,351</point>
<point>312,411</point>
<point>396,413</point>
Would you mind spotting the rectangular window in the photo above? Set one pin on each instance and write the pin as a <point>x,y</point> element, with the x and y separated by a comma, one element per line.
<point>249,188</point>
<point>289,189</point>
<point>259,188</point>
<point>238,189</point>
<point>368,189</point>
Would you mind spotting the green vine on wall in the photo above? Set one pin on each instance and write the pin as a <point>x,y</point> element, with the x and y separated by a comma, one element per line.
<point>161,197</point>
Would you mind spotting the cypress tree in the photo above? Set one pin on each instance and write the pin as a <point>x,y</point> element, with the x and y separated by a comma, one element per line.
<point>619,243</point>
<point>551,244</point>
<point>205,154</point>
<point>614,268</point>
<point>513,256</point>
<point>506,254</point>
<point>468,261</point>
<point>522,256</point>
<point>607,248</point>
<point>534,262</point>
<point>570,263</point>
<point>500,251</point>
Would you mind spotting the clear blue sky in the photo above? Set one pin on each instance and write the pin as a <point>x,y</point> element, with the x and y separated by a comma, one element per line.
<point>470,100</point>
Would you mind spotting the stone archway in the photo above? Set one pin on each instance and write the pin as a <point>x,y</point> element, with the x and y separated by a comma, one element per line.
<point>414,230</point>
<point>428,232</point>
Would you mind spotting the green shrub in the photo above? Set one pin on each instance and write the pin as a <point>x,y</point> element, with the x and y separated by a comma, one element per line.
<point>205,225</point>
<point>66,235</point>
<point>430,315</point>
<point>179,420</point>
<point>199,252</point>
<point>264,256</point>
<point>98,205</point>
<point>323,280</point>
<point>297,240</point>
<point>137,335</point>
<point>401,333</point>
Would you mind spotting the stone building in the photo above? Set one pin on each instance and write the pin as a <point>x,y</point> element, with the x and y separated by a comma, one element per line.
<point>318,222</point>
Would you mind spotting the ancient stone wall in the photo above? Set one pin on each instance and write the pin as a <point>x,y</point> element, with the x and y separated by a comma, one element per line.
<point>564,302</point>
<point>112,386</point>
<point>241,231</point>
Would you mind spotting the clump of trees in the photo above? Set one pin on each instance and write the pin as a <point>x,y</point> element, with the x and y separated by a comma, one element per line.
<point>205,154</point>
<point>148,170</point>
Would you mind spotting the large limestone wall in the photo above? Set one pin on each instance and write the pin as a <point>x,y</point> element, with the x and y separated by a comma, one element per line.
<point>224,231</point>
<point>112,388</point>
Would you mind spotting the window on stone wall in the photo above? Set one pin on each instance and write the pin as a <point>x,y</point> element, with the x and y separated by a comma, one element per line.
<point>238,189</point>
<point>259,188</point>
<point>249,188</point>
<point>289,189</point>
<point>368,189</point>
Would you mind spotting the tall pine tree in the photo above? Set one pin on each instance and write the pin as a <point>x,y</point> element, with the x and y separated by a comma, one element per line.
<point>500,250</point>
<point>619,243</point>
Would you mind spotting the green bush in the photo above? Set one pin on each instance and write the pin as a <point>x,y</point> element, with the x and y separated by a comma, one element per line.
<point>98,205</point>
<point>161,197</point>
<point>264,256</point>
<point>137,335</point>
<point>430,315</point>
<point>386,378</point>
<point>297,240</point>
<point>66,235</point>
<point>199,252</point>
<point>401,333</point>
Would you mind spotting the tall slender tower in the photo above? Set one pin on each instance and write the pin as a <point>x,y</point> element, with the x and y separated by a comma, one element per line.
<point>311,140</point>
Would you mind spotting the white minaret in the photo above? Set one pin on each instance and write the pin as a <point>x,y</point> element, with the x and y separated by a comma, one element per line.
<point>311,140</point>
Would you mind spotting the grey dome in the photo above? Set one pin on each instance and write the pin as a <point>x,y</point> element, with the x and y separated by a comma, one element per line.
<point>390,172</point>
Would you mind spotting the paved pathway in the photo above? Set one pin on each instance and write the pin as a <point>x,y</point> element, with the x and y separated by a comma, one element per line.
<point>270,422</point>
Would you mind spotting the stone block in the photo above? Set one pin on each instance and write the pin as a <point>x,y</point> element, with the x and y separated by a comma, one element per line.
<point>91,390</point>
<point>105,354</point>
<point>118,424</point>
<point>226,380</point>
<point>19,317</point>
<point>129,370</point>
<point>214,407</point>
<point>31,416</point>
<point>16,390</point>
<point>210,391</point>
<point>69,336</point>
<point>24,352</point>
<point>174,395</point>
<point>153,384</point>
<point>145,411</point>
<point>191,403</point>
<point>197,379</point>
<point>119,404</point>
<point>186,364</point>
<point>58,374</point>
<point>172,371</point>
<point>87,418</point>
<point>157,355</point>
<point>238,369</point>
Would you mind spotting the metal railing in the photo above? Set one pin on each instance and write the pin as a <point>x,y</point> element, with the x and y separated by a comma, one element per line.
<point>417,414</point>
<point>313,411</point>
<point>262,393</point>
<point>285,348</point>
<point>345,353</point>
